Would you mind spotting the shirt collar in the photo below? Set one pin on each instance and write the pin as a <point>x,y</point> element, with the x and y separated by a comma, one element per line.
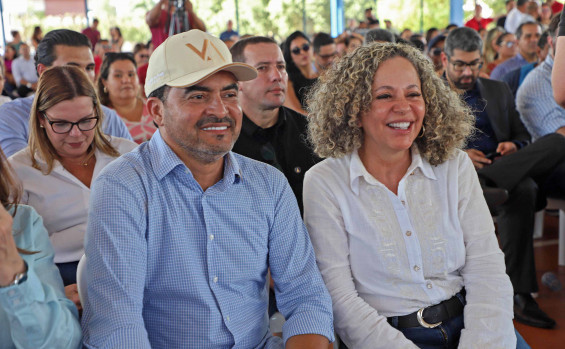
<point>357,170</point>
<point>249,127</point>
<point>549,62</point>
<point>165,160</point>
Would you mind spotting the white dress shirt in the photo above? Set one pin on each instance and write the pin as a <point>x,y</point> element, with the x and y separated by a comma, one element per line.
<point>514,18</point>
<point>385,255</point>
<point>61,198</point>
<point>24,69</point>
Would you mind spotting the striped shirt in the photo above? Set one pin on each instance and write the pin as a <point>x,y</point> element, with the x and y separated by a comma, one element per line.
<point>172,266</point>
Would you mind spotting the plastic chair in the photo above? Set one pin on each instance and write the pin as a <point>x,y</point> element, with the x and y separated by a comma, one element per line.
<point>81,281</point>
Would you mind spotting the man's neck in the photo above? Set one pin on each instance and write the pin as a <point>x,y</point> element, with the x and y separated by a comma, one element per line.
<point>529,57</point>
<point>206,174</point>
<point>263,118</point>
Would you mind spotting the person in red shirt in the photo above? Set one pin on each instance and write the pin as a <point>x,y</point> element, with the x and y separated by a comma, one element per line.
<point>478,22</point>
<point>158,20</point>
<point>556,6</point>
<point>92,33</point>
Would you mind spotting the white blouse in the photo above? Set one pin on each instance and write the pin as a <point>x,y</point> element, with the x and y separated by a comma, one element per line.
<point>383,255</point>
<point>61,198</point>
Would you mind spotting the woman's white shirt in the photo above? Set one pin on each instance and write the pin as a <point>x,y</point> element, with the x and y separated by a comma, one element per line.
<point>61,198</point>
<point>385,255</point>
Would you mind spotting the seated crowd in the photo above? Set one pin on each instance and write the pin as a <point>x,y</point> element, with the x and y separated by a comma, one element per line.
<point>348,183</point>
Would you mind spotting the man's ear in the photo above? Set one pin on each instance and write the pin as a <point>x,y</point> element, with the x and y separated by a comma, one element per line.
<point>41,68</point>
<point>444,60</point>
<point>156,110</point>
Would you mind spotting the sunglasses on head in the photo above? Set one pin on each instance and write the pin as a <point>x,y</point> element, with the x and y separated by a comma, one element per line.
<point>296,50</point>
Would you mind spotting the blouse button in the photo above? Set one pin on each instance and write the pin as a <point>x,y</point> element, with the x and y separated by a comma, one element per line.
<point>416,268</point>
<point>408,233</point>
<point>429,285</point>
<point>403,202</point>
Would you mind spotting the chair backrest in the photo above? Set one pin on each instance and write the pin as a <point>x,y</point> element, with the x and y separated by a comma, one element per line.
<point>81,281</point>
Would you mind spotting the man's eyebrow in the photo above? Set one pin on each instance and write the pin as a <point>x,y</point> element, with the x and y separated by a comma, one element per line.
<point>230,87</point>
<point>193,88</point>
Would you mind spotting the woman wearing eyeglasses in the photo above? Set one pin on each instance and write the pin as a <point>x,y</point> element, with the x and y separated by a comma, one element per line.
<point>297,52</point>
<point>118,88</point>
<point>506,47</point>
<point>66,152</point>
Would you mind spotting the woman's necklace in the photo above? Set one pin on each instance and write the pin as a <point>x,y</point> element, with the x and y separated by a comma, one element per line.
<point>84,162</point>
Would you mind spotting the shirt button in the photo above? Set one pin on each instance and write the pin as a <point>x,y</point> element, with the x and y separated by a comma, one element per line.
<point>211,237</point>
<point>228,318</point>
<point>429,285</point>
<point>408,233</point>
<point>403,202</point>
<point>416,268</point>
<point>215,279</point>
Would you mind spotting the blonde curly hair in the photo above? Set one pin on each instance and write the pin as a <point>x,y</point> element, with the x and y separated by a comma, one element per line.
<point>339,97</point>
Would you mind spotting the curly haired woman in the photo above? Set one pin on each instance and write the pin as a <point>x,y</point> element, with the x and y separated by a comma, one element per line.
<point>402,234</point>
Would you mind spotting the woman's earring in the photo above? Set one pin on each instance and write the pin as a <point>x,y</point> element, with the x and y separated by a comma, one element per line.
<point>422,131</point>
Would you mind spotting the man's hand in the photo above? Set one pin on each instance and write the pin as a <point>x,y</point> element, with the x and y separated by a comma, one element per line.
<point>505,148</point>
<point>478,157</point>
<point>71,291</point>
<point>11,263</point>
<point>307,341</point>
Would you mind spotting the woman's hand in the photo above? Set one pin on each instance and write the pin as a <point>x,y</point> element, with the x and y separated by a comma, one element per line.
<point>11,263</point>
<point>71,291</point>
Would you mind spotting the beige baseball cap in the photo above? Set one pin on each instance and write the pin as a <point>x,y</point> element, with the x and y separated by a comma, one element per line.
<point>187,58</point>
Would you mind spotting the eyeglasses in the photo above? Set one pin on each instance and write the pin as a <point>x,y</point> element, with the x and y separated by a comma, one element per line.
<point>508,44</point>
<point>437,51</point>
<point>143,56</point>
<point>328,56</point>
<point>296,50</point>
<point>62,127</point>
<point>459,66</point>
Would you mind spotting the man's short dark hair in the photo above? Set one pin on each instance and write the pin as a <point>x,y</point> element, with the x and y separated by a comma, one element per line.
<point>464,39</point>
<point>95,20</point>
<point>521,2</point>
<point>552,28</point>
<point>378,34</point>
<point>322,39</point>
<point>160,93</point>
<point>521,28</point>
<point>542,42</point>
<point>238,48</point>
<point>45,53</point>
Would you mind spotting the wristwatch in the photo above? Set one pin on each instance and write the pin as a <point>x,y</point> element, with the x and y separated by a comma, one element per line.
<point>18,279</point>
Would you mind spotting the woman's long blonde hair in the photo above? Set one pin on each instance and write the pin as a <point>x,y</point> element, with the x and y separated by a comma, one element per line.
<point>56,85</point>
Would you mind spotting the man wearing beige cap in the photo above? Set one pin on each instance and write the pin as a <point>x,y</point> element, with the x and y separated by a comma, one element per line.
<point>182,231</point>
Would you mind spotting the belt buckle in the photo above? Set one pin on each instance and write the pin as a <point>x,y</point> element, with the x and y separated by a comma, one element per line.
<point>422,322</point>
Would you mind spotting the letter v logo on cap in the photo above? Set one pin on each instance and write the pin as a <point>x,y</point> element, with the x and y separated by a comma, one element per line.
<point>202,53</point>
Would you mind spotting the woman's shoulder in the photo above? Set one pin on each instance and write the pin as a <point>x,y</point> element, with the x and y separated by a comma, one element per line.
<point>22,158</point>
<point>122,145</point>
<point>24,219</point>
<point>331,168</point>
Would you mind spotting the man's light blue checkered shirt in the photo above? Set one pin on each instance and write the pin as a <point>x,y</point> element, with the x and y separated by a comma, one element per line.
<point>534,100</point>
<point>171,266</point>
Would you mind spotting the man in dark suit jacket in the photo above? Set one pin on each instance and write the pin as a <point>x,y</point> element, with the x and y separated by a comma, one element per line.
<point>504,158</point>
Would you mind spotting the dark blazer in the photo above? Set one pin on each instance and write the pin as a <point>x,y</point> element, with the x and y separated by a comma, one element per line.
<point>502,113</point>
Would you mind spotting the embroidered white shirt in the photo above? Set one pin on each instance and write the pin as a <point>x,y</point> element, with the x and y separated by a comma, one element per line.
<point>62,199</point>
<point>383,255</point>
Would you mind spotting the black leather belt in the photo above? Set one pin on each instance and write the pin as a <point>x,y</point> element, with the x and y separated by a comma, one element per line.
<point>432,316</point>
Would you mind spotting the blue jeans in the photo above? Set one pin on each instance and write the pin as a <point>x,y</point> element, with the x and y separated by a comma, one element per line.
<point>68,272</point>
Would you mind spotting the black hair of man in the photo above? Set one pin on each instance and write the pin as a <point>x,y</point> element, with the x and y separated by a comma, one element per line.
<point>160,93</point>
<point>378,34</point>
<point>521,2</point>
<point>552,28</point>
<point>542,42</point>
<point>14,33</point>
<point>95,20</point>
<point>451,26</point>
<point>520,29</point>
<point>238,48</point>
<point>322,39</point>
<point>464,39</point>
<point>45,53</point>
